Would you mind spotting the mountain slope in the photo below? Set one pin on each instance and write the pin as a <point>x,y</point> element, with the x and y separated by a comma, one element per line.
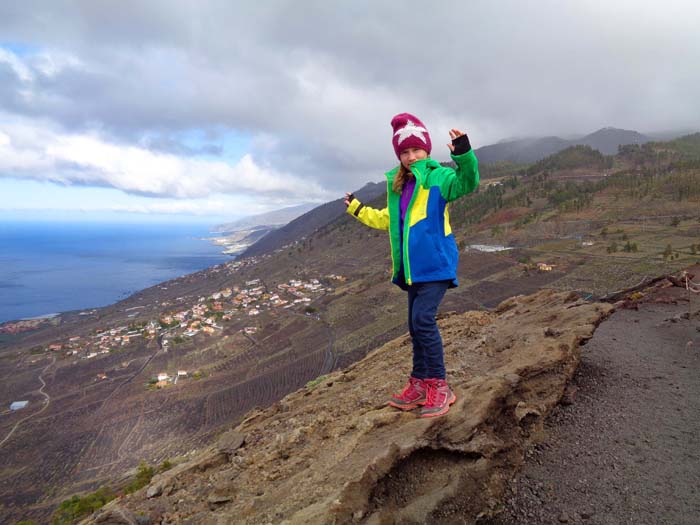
<point>272,218</point>
<point>605,140</point>
<point>521,151</point>
<point>335,453</point>
<point>310,221</point>
<point>599,236</point>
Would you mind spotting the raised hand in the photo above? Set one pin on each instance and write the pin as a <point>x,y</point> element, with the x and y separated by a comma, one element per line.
<point>454,133</point>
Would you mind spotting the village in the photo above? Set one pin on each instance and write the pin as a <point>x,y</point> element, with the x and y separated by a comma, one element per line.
<point>207,315</point>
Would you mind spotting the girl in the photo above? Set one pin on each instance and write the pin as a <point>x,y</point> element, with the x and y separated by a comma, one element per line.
<point>423,248</point>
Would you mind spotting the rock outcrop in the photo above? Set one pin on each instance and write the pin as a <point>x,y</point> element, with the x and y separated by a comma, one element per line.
<point>335,453</point>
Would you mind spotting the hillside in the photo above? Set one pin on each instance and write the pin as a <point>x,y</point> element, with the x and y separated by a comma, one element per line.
<point>273,218</point>
<point>605,140</point>
<point>305,225</point>
<point>311,459</point>
<point>569,228</point>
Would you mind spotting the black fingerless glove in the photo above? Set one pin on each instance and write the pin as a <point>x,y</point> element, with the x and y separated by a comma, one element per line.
<point>351,197</point>
<point>461,145</point>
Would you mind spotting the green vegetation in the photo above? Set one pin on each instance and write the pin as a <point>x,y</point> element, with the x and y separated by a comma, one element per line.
<point>668,252</point>
<point>571,158</point>
<point>630,247</point>
<point>70,511</point>
<point>315,382</point>
<point>143,478</point>
<point>77,507</point>
<point>499,169</point>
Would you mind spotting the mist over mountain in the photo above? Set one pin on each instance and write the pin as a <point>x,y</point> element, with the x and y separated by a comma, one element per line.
<point>606,140</point>
<point>271,218</point>
<point>310,221</point>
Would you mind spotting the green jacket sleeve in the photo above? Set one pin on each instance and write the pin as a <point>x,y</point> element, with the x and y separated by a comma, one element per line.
<point>457,183</point>
<point>371,217</point>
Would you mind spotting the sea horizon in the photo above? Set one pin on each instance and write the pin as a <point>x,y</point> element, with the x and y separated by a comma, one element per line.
<point>50,267</point>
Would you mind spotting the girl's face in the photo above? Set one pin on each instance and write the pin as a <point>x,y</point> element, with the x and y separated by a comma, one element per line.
<point>411,155</point>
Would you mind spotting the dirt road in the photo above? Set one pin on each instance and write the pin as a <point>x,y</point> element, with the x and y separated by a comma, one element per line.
<point>47,401</point>
<point>628,449</point>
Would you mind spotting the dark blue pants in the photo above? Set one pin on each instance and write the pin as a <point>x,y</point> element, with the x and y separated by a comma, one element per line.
<point>423,302</point>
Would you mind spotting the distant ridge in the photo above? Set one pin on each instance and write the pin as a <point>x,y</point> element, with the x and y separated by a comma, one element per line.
<point>309,222</point>
<point>605,140</point>
<point>271,218</point>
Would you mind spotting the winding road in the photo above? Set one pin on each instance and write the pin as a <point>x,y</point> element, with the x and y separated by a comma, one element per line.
<point>46,403</point>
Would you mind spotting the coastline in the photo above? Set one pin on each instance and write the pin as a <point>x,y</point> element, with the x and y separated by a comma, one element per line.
<point>58,268</point>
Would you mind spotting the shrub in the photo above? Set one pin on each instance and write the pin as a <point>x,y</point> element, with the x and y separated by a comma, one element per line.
<point>143,478</point>
<point>315,382</point>
<point>72,509</point>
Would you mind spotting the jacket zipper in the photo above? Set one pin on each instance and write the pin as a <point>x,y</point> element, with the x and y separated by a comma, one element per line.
<point>406,228</point>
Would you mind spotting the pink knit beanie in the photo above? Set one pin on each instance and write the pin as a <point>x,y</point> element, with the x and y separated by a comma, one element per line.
<point>409,132</point>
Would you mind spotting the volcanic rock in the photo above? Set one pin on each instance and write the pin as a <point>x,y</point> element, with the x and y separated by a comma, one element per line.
<point>337,454</point>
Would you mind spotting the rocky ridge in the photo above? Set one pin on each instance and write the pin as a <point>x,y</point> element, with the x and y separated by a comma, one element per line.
<point>333,452</point>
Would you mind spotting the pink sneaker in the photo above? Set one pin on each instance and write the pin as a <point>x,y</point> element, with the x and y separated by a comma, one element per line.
<point>412,396</point>
<point>439,397</point>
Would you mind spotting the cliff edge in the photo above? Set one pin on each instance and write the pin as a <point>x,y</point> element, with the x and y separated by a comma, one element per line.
<point>333,452</point>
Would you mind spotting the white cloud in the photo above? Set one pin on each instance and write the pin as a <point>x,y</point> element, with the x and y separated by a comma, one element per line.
<point>20,69</point>
<point>31,151</point>
<point>316,93</point>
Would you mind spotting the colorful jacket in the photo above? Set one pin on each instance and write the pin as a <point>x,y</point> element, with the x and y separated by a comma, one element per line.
<point>427,245</point>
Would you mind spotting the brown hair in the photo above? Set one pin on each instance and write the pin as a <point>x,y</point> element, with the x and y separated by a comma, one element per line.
<point>400,179</point>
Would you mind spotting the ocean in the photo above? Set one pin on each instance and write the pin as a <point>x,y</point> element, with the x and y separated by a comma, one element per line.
<point>51,267</point>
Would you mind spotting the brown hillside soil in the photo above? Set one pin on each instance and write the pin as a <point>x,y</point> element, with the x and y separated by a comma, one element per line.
<point>335,453</point>
<point>627,450</point>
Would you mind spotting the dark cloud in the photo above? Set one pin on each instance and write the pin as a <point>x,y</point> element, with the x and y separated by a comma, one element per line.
<point>315,85</point>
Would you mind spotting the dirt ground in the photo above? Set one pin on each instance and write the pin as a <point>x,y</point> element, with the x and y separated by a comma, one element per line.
<point>627,450</point>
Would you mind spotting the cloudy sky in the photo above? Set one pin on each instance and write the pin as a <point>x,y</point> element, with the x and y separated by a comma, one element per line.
<point>211,110</point>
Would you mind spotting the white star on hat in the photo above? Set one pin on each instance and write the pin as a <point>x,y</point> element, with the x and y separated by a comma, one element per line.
<point>410,129</point>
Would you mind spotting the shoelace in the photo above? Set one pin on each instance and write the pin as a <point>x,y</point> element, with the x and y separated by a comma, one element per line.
<point>431,394</point>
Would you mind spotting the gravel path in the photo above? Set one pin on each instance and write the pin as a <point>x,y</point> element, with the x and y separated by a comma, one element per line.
<point>628,449</point>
